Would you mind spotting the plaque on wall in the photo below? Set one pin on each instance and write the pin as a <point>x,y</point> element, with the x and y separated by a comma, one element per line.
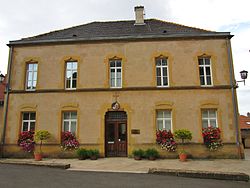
<point>135,131</point>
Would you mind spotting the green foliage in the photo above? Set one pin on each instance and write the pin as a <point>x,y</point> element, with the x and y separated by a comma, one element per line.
<point>183,134</point>
<point>41,136</point>
<point>151,152</point>
<point>138,153</point>
<point>82,153</point>
<point>94,152</point>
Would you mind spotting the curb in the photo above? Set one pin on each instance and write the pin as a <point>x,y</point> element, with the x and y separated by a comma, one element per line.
<point>201,174</point>
<point>51,165</point>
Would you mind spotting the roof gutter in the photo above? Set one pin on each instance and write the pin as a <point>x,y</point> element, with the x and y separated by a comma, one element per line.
<point>120,38</point>
<point>6,100</point>
<point>234,97</point>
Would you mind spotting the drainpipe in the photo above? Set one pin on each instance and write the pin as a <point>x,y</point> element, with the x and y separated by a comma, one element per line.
<point>6,100</point>
<point>235,108</point>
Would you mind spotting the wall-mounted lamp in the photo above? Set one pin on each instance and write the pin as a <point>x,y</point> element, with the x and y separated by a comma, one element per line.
<point>243,75</point>
<point>1,78</point>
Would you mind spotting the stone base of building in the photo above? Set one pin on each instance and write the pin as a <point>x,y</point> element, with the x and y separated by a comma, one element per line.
<point>194,150</point>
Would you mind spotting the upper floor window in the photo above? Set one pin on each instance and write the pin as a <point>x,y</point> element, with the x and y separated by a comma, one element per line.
<point>115,73</point>
<point>164,120</point>
<point>205,71</point>
<point>70,121</point>
<point>31,76</point>
<point>28,121</point>
<point>71,75</point>
<point>162,72</point>
<point>209,118</point>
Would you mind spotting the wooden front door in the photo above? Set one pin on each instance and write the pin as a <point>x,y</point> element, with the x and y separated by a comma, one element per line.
<point>116,134</point>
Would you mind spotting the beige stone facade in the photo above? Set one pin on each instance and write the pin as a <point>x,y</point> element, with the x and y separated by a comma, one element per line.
<point>139,96</point>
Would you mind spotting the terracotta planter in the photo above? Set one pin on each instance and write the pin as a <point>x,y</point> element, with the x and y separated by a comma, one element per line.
<point>151,158</point>
<point>137,158</point>
<point>183,157</point>
<point>93,157</point>
<point>38,156</point>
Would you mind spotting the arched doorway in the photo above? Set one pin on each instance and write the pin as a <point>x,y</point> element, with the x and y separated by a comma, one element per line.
<point>116,134</point>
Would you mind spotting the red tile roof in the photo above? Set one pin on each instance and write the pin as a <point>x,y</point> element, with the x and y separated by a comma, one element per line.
<point>2,89</point>
<point>244,122</point>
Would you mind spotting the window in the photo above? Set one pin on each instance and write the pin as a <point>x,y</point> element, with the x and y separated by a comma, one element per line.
<point>205,71</point>
<point>71,75</point>
<point>115,73</point>
<point>162,72</point>
<point>209,118</point>
<point>31,76</point>
<point>164,120</point>
<point>28,121</point>
<point>69,121</point>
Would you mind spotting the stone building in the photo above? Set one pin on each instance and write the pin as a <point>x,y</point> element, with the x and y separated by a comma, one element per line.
<point>114,83</point>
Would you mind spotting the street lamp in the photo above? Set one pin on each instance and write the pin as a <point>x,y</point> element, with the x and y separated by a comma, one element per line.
<point>243,75</point>
<point>1,78</point>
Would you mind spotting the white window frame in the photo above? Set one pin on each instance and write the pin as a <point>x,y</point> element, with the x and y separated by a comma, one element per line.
<point>161,68</point>
<point>28,72</point>
<point>28,120</point>
<point>115,68</point>
<point>204,70</point>
<point>208,119</point>
<point>72,70</point>
<point>70,120</point>
<point>163,119</point>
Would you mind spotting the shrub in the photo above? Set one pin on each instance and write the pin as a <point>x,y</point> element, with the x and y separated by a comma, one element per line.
<point>138,153</point>
<point>183,134</point>
<point>26,141</point>
<point>166,140</point>
<point>68,141</point>
<point>82,153</point>
<point>152,153</point>
<point>41,136</point>
<point>211,137</point>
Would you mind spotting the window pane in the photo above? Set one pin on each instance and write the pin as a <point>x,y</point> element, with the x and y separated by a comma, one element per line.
<point>66,126</point>
<point>207,61</point>
<point>69,66</point>
<point>202,80</point>
<point>165,71</point>
<point>29,76</point>
<point>168,124</point>
<point>158,62</point>
<point>112,64</point>
<point>208,71</point>
<point>159,124</point>
<point>167,114</point>
<point>25,116</point>
<point>112,83</point>
<point>158,81</point>
<point>213,123</point>
<point>74,83</point>
<point>35,76</point>
<point>29,84</point>
<point>25,126</point>
<point>35,67</point>
<point>212,114</point>
<point>118,82</point>
<point>201,71</point>
<point>33,116</point>
<point>204,124</point>
<point>165,81</point>
<point>30,67</point>
<point>112,73</point>
<point>164,62</point>
<point>66,115</point>
<point>69,74</point>
<point>209,80</point>
<point>159,114</point>
<point>32,126</point>
<point>73,115</point>
<point>118,64</point>
<point>73,127</point>
<point>68,83</point>
<point>204,113</point>
<point>158,71</point>
<point>200,62</point>
<point>34,85</point>
<point>74,65</point>
<point>74,75</point>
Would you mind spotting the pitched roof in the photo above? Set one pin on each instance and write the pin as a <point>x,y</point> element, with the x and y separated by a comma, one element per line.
<point>152,28</point>
<point>244,122</point>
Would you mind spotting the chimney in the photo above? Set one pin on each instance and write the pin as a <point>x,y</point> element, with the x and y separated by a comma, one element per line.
<point>139,15</point>
<point>248,114</point>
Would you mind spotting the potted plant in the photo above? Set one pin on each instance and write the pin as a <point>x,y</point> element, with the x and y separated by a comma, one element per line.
<point>183,135</point>
<point>94,154</point>
<point>40,136</point>
<point>82,153</point>
<point>152,154</point>
<point>138,154</point>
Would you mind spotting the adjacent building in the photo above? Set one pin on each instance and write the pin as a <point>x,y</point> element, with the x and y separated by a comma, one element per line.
<point>114,83</point>
<point>245,129</point>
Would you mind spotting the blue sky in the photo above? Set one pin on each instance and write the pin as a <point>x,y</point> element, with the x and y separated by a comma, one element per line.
<point>24,18</point>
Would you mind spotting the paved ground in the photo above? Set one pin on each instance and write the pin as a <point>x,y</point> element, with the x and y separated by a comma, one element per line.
<point>16,176</point>
<point>143,166</point>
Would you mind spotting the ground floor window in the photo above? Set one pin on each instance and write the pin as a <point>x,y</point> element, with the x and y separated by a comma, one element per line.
<point>164,119</point>
<point>28,121</point>
<point>69,122</point>
<point>209,118</point>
